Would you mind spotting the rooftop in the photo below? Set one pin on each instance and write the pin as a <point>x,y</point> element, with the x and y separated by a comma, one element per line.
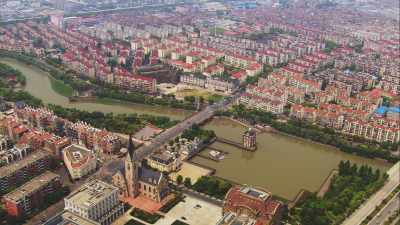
<point>11,168</point>
<point>78,155</point>
<point>91,193</point>
<point>32,186</point>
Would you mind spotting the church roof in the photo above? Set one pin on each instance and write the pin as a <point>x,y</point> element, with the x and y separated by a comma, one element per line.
<point>149,176</point>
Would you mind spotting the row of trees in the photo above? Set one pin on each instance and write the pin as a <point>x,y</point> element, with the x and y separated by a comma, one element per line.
<point>348,190</point>
<point>253,116</point>
<point>136,97</point>
<point>122,123</point>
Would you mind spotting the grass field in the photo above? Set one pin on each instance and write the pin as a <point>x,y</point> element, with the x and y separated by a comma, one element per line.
<point>194,92</point>
<point>61,88</point>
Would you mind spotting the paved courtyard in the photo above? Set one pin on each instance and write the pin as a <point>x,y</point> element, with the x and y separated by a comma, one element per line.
<point>193,211</point>
<point>191,170</point>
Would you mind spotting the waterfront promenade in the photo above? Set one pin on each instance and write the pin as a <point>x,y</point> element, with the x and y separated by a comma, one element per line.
<point>368,207</point>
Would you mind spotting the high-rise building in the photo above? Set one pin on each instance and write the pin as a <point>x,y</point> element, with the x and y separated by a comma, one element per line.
<point>97,201</point>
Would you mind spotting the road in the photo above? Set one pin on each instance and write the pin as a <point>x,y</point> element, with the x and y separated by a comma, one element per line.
<point>171,133</point>
<point>387,211</point>
<point>367,208</point>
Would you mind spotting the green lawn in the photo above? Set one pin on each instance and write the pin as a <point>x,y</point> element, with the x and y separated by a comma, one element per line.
<point>61,88</point>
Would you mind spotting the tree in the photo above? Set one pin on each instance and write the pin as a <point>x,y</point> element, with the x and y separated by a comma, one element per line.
<point>179,179</point>
<point>187,182</point>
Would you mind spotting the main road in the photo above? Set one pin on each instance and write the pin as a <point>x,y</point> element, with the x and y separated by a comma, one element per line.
<point>367,208</point>
<point>169,134</point>
<point>387,211</point>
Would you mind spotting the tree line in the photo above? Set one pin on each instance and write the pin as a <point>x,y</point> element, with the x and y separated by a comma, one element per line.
<point>348,190</point>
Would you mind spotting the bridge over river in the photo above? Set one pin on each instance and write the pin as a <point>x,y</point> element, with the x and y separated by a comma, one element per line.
<point>197,118</point>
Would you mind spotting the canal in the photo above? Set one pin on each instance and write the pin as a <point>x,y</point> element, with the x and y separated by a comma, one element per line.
<point>38,84</point>
<point>281,164</point>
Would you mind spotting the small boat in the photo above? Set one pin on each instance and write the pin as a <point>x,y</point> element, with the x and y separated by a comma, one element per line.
<point>217,155</point>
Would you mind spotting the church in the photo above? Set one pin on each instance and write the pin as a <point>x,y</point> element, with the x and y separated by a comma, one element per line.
<point>134,179</point>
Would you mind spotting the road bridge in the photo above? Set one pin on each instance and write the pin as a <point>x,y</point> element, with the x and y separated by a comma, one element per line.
<point>173,132</point>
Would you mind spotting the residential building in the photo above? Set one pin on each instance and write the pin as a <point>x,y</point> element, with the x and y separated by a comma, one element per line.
<point>79,161</point>
<point>164,162</point>
<point>31,195</point>
<point>19,172</point>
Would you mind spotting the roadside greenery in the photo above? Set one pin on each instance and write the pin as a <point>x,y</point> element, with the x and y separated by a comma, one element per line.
<point>348,190</point>
<point>212,186</point>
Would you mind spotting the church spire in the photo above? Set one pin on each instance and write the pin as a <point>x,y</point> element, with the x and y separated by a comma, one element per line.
<point>131,147</point>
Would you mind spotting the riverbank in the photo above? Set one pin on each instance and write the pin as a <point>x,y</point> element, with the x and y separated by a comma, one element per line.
<point>56,70</point>
<point>38,83</point>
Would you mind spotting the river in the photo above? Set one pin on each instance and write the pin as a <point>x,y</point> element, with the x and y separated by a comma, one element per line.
<point>281,164</point>
<point>38,84</point>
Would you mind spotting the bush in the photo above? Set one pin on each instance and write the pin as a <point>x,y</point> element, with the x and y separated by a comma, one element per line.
<point>145,216</point>
<point>133,222</point>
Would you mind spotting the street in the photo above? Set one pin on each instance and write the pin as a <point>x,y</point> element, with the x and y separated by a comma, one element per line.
<point>368,207</point>
<point>389,209</point>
